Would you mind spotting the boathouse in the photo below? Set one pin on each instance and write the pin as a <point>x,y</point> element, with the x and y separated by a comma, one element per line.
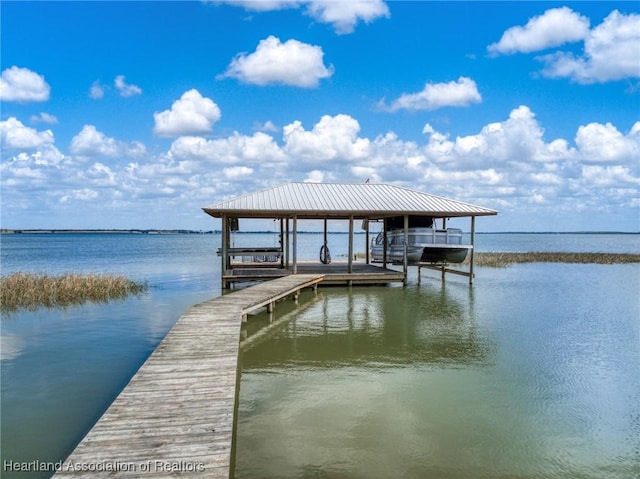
<point>178,413</point>
<point>365,203</point>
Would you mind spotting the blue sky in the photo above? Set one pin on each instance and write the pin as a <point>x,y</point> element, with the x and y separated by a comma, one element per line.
<point>137,114</point>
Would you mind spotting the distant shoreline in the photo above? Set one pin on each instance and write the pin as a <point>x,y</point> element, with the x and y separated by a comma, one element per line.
<point>100,231</point>
<point>217,232</point>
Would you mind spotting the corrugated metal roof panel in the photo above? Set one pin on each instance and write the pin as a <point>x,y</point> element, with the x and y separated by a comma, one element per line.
<point>342,200</point>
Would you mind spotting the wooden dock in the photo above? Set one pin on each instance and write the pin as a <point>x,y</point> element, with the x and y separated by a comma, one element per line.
<point>176,417</point>
<point>335,273</point>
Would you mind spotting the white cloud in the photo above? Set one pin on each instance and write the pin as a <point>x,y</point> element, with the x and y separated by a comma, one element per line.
<point>261,5</point>
<point>608,175</point>
<point>101,175</point>
<point>290,63</point>
<point>314,176</point>
<point>332,138</point>
<point>519,139</point>
<point>605,144</point>
<point>43,117</point>
<point>91,142</point>
<point>343,15</point>
<point>21,84</point>
<point>507,164</point>
<point>267,126</point>
<point>611,53</point>
<point>16,136</point>
<point>192,114</point>
<point>551,29</point>
<point>126,90</point>
<point>460,93</point>
<point>84,194</point>
<point>259,148</point>
<point>97,90</point>
<point>235,172</point>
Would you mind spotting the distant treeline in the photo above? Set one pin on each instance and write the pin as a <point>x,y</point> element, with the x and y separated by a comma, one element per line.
<point>180,231</point>
<point>89,231</point>
<point>148,232</point>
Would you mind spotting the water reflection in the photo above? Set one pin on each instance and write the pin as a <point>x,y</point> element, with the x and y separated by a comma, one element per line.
<point>528,374</point>
<point>373,327</point>
<point>11,345</point>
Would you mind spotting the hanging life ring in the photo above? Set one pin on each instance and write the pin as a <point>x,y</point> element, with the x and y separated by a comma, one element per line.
<point>325,255</point>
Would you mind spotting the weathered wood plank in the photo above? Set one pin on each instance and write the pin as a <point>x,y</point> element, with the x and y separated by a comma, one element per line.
<point>176,416</point>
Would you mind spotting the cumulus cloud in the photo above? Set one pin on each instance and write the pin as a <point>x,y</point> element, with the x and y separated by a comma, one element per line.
<point>605,144</point>
<point>124,89</point>
<point>519,139</point>
<point>332,138</point>
<point>609,176</point>
<point>551,29</point>
<point>100,175</point>
<point>508,165</point>
<point>610,53</point>
<point>192,114</point>
<point>290,63</point>
<point>235,172</point>
<point>23,85</point>
<point>91,142</point>
<point>259,148</point>
<point>16,136</point>
<point>344,16</point>
<point>460,93</point>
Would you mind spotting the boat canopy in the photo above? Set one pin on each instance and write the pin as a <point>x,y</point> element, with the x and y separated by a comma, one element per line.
<point>415,221</point>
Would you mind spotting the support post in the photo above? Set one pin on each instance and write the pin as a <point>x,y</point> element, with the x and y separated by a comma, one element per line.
<point>350,262</point>
<point>295,244</point>
<point>281,242</point>
<point>405,259</point>
<point>324,238</point>
<point>224,250</point>
<point>384,243</point>
<point>287,248</point>
<point>473,248</point>
<point>367,242</point>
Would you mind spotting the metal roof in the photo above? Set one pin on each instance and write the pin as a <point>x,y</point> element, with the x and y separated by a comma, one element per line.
<point>341,200</point>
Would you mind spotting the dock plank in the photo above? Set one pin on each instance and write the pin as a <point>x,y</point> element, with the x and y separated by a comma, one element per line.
<point>176,416</point>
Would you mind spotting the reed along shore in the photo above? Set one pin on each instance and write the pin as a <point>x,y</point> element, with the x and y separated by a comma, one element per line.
<point>497,260</point>
<point>32,290</point>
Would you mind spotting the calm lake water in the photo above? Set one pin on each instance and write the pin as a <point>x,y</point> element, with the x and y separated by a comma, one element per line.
<point>533,372</point>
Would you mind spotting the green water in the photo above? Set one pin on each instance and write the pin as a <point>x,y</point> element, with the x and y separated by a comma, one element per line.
<point>532,373</point>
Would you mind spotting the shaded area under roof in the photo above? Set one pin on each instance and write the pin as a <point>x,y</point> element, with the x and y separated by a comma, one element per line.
<point>342,200</point>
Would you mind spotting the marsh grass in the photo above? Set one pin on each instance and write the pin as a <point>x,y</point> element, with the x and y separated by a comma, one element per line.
<point>33,290</point>
<point>497,260</point>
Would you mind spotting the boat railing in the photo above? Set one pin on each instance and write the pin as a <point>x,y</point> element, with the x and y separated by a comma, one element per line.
<point>451,236</point>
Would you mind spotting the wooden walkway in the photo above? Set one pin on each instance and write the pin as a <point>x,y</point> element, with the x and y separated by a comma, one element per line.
<point>176,417</point>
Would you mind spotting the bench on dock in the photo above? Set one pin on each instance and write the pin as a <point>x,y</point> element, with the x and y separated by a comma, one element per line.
<point>176,417</point>
<point>253,257</point>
